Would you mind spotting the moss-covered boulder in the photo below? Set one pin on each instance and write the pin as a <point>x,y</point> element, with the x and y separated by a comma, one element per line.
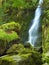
<point>23,51</point>
<point>18,54</point>
<point>19,48</point>
<point>15,49</point>
<point>6,38</point>
<point>12,26</point>
<point>9,34</point>
<point>21,59</point>
<point>17,60</point>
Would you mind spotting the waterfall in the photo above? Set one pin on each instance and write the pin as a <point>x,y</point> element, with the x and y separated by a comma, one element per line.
<point>33,31</point>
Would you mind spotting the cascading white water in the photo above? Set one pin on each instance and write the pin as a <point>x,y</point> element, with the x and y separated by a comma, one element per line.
<point>33,31</point>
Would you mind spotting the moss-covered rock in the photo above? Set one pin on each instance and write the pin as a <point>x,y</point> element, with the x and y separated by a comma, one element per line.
<point>12,26</point>
<point>17,60</point>
<point>18,54</point>
<point>8,35</point>
<point>5,38</point>
<point>15,48</point>
<point>23,51</point>
<point>21,59</point>
<point>19,48</point>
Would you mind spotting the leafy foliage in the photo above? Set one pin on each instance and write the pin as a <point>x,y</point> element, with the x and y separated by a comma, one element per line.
<point>21,3</point>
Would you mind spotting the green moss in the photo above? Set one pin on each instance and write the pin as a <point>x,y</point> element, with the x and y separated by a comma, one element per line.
<point>21,59</point>
<point>34,57</point>
<point>8,36</point>
<point>19,48</point>
<point>15,48</point>
<point>45,32</point>
<point>12,26</point>
<point>17,59</point>
<point>8,60</point>
<point>18,54</point>
<point>45,58</point>
<point>27,59</point>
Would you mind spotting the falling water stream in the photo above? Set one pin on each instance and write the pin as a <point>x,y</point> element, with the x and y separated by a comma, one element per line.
<point>33,31</point>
